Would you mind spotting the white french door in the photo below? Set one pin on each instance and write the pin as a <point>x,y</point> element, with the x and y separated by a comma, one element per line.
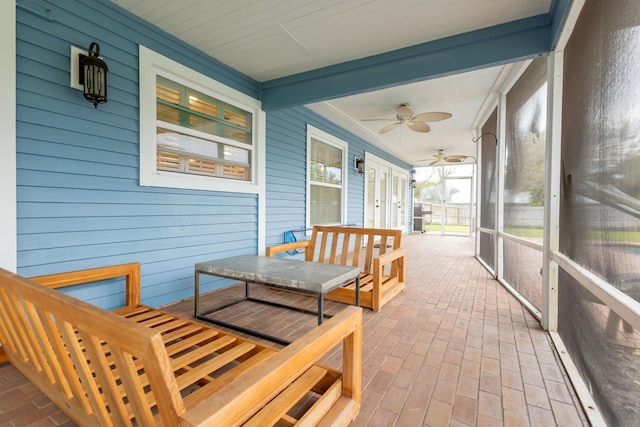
<point>386,194</point>
<point>377,196</point>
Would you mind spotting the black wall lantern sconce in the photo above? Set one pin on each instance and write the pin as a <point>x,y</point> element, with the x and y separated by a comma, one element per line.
<point>414,183</point>
<point>92,75</point>
<point>358,165</point>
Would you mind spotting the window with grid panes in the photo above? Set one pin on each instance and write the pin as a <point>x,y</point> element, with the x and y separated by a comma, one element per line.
<point>196,132</point>
<point>326,174</point>
<point>199,134</point>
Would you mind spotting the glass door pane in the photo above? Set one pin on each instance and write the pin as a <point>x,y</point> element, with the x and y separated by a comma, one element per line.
<point>395,197</point>
<point>372,197</point>
<point>383,199</point>
<point>402,202</point>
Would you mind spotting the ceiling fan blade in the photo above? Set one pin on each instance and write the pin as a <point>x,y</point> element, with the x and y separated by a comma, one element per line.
<point>432,116</point>
<point>418,126</point>
<point>434,162</point>
<point>390,127</point>
<point>376,120</point>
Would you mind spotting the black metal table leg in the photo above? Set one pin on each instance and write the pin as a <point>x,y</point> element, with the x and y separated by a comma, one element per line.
<point>196,306</point>
<point>320,309</point>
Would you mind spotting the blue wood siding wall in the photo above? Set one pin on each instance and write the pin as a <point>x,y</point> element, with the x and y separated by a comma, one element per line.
<point>286,169</point>
<point>79,201</point>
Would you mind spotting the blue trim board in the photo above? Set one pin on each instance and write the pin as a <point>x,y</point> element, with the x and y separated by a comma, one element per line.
<point>559,13</point>
<point>500,44</point>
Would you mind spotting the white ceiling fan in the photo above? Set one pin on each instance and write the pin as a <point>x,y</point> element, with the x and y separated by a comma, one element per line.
<point>417,123</point>
<point>454,158</point>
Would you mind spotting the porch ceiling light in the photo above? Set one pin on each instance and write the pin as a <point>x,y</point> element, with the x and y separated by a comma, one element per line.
<point>94,71</point>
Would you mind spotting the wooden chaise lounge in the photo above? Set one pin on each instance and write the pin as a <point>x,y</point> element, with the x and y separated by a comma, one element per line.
<point>145,367</point>
<point>378,253</point>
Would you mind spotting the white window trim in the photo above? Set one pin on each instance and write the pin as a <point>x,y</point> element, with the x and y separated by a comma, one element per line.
<point>313,132</point>
<point>151,64</point>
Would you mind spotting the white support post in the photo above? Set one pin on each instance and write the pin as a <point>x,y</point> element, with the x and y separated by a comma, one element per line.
<point>551,241</point>
<point>501,154</point>
<point>478,190</point>
<point>262,184</point>
<point>8,190</point>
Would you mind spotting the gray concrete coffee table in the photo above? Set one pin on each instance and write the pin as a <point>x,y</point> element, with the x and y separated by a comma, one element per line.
<point>296,275</point>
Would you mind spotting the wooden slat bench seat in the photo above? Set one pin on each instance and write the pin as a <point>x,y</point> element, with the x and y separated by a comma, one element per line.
<point>142,366</point>
<point>376,251</point>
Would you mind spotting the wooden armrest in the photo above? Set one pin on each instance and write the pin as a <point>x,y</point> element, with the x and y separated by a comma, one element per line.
<point>130,271</point>
<point>396,259</point>
<point>276,249</point>
<point>240,399</point>
<point>389,257</point>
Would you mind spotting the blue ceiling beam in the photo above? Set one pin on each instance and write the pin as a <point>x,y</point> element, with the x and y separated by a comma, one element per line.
<point>483,48</point>
<point>558,17</point>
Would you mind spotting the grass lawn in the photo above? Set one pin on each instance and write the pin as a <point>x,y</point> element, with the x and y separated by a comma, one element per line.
<point>602,235</point>
<point>447,228</point>
<point>614,236</point>
<point>622,236</point>
<point>525,232</point>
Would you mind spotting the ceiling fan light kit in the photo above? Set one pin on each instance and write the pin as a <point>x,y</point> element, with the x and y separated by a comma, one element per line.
<point>454,158</point>
<point>458,158</point>
<point>403,111</point>
<point>417,123</point>
<point>439,156</point>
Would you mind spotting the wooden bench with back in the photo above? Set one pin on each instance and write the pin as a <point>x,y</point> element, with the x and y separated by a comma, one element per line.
<point>378,253</point>
<point>146,367</point>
